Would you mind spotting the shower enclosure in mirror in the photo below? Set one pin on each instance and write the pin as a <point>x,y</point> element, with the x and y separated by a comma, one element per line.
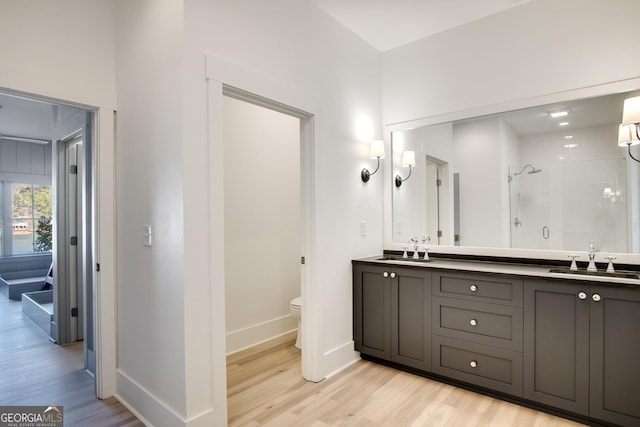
<point>529,207</point>
<point>520,179</point>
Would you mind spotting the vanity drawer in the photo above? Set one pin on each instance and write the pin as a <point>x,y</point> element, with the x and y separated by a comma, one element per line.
<point>478,287</point>
<point>479,322</point>
<point>494,368</point>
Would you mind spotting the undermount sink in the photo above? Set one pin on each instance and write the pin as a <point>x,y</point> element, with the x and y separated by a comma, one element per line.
<point>594,273</point>
<point>400,258</point>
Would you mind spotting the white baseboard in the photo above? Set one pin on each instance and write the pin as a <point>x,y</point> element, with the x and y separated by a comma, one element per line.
<point>138,400</point>
<point>339,358</point>
<point>143,404</point>
<point>257,334</point>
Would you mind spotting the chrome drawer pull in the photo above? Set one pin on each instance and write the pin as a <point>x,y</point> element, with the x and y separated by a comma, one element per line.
<point>385,274</point>
<point>582,295</point>
<point>473,364</point>
<point>393,275</point>
<point>596,297</point>
<point>473,322</point>
<point>473,288</point>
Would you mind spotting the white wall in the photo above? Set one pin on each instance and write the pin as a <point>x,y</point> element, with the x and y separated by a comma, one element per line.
<point>510,154</point>
<point>515,59</point>
<point>538,48</point>
<point>280,48</point>
<point>171,343</point>
<point>151,284</point>
<point>478,143</point>
<point>65,50</point>
<point>261,221</point>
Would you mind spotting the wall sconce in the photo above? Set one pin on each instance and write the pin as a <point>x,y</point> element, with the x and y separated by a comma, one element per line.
<point>377,152</point>
<point>629,131</point>
<point>408,159</point>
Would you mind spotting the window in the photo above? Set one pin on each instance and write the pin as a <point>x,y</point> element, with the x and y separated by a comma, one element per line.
<point>30,218</point>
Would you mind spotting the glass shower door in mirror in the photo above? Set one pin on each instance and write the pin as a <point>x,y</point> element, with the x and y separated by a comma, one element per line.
<point>529,207</point>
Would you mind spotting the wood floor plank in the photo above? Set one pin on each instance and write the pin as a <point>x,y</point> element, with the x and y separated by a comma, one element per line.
<point>266,388</point>
<point>35,371</point>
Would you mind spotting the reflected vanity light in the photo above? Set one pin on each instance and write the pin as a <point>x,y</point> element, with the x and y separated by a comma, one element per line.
<point>612,195</point>
<point>629,131</point>
<point>408,160</point>
<point>557,114</point>
<point>377,152</point>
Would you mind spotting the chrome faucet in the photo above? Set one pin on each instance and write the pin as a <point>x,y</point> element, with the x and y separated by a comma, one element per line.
<point>592,257</point>
<point>610,268</point>
<point>574,265</point>
<point>414,240</point>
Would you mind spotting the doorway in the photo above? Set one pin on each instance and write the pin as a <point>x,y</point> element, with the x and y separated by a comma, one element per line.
<point>53,142</point>
<point>261,220</point>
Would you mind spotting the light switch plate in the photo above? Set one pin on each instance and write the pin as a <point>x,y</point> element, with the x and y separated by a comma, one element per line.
<point>147,235</point>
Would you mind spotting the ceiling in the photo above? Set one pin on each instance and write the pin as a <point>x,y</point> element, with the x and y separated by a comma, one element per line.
<point>387,24</point>
<point>587,112</point>
<point>25,118</point>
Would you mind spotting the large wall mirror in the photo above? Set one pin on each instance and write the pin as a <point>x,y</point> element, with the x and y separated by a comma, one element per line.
<point>520,179</point>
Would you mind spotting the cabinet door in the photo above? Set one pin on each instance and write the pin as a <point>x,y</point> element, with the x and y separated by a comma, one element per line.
<point>615,354</point>
<point>556,344</point>
<point>372,310</point>
<point>411,318</point>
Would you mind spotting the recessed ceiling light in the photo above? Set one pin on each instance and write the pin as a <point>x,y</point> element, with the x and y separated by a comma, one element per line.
<point>557,114</point>
<point>568,136</point>
<point>563,123</point>
<point>570,145</point>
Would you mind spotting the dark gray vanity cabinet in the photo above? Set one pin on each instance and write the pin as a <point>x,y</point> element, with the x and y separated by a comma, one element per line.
<point>582,349</point>
<point>392,318</point>
<point>556,345</point>
<point>477,327</point>
<point>372,310</point>
<point>572,345</point>
<point>615,354</point>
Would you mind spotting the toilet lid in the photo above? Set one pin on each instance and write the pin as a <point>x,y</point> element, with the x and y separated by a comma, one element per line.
<point>297,302</point>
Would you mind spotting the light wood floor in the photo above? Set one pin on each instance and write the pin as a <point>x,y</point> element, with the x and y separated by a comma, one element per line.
<point>265,388</point>
<point>34,371</point>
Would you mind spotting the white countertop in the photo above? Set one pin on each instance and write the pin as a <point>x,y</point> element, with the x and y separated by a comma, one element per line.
<point>514,269</point>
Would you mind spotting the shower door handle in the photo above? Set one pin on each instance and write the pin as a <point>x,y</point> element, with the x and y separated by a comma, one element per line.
<point>545,232</point>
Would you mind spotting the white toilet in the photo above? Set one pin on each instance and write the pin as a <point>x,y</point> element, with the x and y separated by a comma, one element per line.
<point>296,310</point>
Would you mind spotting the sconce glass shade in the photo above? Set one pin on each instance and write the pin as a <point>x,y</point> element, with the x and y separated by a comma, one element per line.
<point>377,149</point>
<point>627,135</point>
<point>375,152</point>
<point>408,159</point>
<point>631,111</point>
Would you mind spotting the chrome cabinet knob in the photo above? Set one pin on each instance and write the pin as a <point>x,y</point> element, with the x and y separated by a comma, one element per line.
<point>473,288</point>
<point>385,274</point>
<point>473,322</point>
<point>582,295</point>
<point>473,364</point>
<point>393,275</point>
<point>596,297</point>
